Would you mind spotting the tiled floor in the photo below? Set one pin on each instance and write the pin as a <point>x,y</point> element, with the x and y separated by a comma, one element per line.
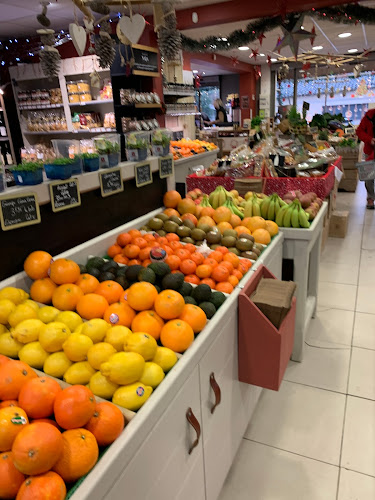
<point>315,438</point>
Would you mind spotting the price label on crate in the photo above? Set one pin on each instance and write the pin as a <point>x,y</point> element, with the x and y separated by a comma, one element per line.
<point>143,174</point>
<point>64,194</point>
<point>166,166</point>
<point>111,182</point>
<point>19,211</point>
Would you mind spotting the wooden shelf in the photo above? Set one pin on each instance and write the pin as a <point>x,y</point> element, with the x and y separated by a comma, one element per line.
<point>40,106</point>
<point>179,93</point>
<point>50,132</point>
<point>2,138</point>
<point>90,103</point>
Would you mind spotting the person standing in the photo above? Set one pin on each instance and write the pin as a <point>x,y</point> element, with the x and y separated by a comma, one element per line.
<point>221,114</point>
<point>366,133</point>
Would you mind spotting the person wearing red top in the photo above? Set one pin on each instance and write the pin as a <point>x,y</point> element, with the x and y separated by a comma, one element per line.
<point>366,133</point>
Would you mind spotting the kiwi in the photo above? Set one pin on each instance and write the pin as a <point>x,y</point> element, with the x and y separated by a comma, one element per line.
<point>161,232</point>
<point>145,228</point>
<point>249,255</point>
<point>235,251</point>
<point>213,237</point>
<point>247,236</point>
<point>256,250</point>
<point>187,239</point>
<point>183,231</point>
<point>215,246</point>
<point>170,226</point>
<point>244,244</point>
<point>230,232</point>
<point>155,224</point>
<point>188,223</point>
<point>198,234</point>
<point>259,246</point>
<point>204,227</point>
<point>162,217</point>
<point>229,241</point>
<point>175,219</point>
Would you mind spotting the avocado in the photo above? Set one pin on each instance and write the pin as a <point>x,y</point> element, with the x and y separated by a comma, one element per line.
<point>217,299</point>
<point>176,220</point>
<point>161,232</point>
<point>243,244</point>
<point>170,227</point>
<point>234,250</point>
<point>96,262</point>
<point>213,237</point>
<point>185,289</point>
<point>198,234</point>
<point>158,289</point>
<point>249,255</point>
<point>190,300</point>
<point>122,281</point>
<point>121,271</point>
<point>155,223</point>
<point>82,269</point>
<point>110,266</point>
<point>188,240</point>
<point>172,281</point>
<point>228,241</point>
<point>160,268</point>
<point>94,272</point>
<point>202,293</point>
<point>188,223</point>
<point>106,276</point>
<point>208,308</point>
<point>183,231</point>
<point>162,217</point>
<point>204,227</point>
<point>230,232</point>
<point>131,273</point>
<point>147,274</point>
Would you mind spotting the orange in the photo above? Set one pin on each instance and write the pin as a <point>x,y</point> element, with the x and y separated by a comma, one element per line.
<point>134,262</point>
<point>114,250</point>
<point>203,271</point>
<point>242,230</point>
<point>210,262</point>
<point>8,402</point>
<point>47,421</point>
<point>64,271</point>
<point>192,278</point>
<point>37,448</point>
<point>194,316</point>
<point>245,221</point>
<point>186,206</point>
<point>225,287</point>
<point>131,251</point>
<point>223,226</point>
<point>48,485</point>
<point>80,454</point>
<point>228,265</point>
<point>220,273</point>
<point>235,220</point>
<point>123,239</point>
<point>218,256</point>
<point>176,245</point>
<point>168,249</point>
<point>207,220</point>
<point>171,211</point>
<point>140,242</point>
<point>222,214</point>
<point>233,280</point>
<point>148,322</point>
<point>146,263</point>
<point>198,210</point>
<point>183,254</point>
<point>106,424</point>
<point>120,259</point>
<point>197,257</point>
<point>243,267</point>
<point>172,237</point>
<point>188,266</point>
<point>13,376</point>
<point>3,360</point>
<point>74,406</point>
<point>141,296</point>
<point>171,199</point>
<point>144,254</point>
<point>237,274</point>
<point>92,305</point>
<point>177,335</point>
<point>169,304</point>
<point>232,258</point>
<point>191,217</point>
<point>110,290</point>
<point>38,395</point>
<point>222,250</point>
<point>119,313</point>
<point>42,290</point>
<point>161,240</point>
<point>37,264</point>
<point>149,237</point>
<point>87,283</point>
<point>262,236</point>
<point>66,297</point>
<point>272,227</point>
<point>208,281</point>
<point>190,247</point>
<point>12,420</point>
<point>207,212</point>
<point>11,478</point>
<point>134,233</point>
<point>256,222</point>
<point>173,262</point>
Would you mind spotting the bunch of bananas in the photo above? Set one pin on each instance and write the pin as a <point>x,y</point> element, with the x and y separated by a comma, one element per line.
<point>253,206</point>
<point>218,197</point>
<point>234,208</point>
<point>271,206</point>
<point>205,201</point>
<point>292,215</point>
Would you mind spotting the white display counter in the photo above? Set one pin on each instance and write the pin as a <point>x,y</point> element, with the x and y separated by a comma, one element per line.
<point>183,166</point>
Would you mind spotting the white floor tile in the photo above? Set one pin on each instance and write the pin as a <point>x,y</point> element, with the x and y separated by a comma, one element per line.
<point>364,330</point>
<point>336,296</point>
<point>354,486</point>
<point>369,219</point>
<point>323,367</point>
<point>263,473</point>
<point>358,450</point>
<point>332,326</point>
<point>367,268</point>
<point>300,419</point>
<point>362,374</point>
<point>368,241</point>
<point>365,299</point>
<point>339,272</point>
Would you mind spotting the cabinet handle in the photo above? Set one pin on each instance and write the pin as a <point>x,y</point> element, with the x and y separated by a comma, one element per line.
<point>191,418</point>
<point>217,391</point>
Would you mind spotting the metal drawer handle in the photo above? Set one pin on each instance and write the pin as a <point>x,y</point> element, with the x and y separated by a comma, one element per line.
<point>191,418</point>
<point>217,391</point>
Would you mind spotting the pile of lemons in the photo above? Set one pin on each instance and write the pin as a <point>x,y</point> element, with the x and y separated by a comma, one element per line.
<point>112,361</point>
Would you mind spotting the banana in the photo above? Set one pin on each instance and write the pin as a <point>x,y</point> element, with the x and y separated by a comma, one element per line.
<point>264,207</point>
<point>222,197</point>
<point>248,212</point>
<point>280,216</point>
<point>288,216</point>
<point>205,202</point>
<point>256,209</point>
<point>271,209</point>
<point>277,206</point>
<point>303,218</point>
<point>295,217</point>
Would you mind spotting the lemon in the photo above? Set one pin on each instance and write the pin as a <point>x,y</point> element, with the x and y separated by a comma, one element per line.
<point>152,374</point>
<point>53,335</point>
<point>48,314</point>
<point>79,373</point>
<point>76,346</point>
<point>21,312</point>
<point>32,304</point>
<point>132,396</point>
<point>6,308</point>
<point>33,354</point>
<point>117,335</point>
<point>123,367</point>
<point>16,295</point>
<point>56,364</point>
<point>101,386</point>
<point>100,353</point>
<point>165,357</point>
<point>9,346</point>
<point>96,329</point>
<point>71,319</point>
<point>28,330</point>
<point>142,343</point>
<point>3,329</point>
<point>79,328</point>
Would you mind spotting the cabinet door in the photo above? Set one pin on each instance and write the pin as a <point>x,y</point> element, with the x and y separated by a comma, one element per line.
<point>163,468</point>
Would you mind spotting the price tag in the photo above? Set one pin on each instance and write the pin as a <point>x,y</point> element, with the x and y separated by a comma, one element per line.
<point>64,194</point>
<point>166,167</point>
<point>111,182</point>
<point>143,174</point>
<point>338,174</point>
<point>19,211</point>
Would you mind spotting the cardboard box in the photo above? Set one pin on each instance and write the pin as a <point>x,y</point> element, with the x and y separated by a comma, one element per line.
<point>351,174</point>
<point>338,225</point>
<point>349,185</point>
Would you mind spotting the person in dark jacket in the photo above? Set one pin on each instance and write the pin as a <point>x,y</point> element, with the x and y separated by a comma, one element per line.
<point>366,133</point>
<point>221,114</point>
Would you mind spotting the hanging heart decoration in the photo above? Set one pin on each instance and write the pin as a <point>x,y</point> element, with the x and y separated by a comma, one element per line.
<point>133,28</point>
<point>78,36</point>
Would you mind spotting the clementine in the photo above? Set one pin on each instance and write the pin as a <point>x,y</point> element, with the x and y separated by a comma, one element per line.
<point>12,420</point>
<point>42,290</point>
<point>64,271</point>
<point>74,406</point>
<point>114,250</point>
<point>169,304</point>
<point>220,273</point>
<point>48,485</point>
<point>13,376</point>
<point>194,316</point>
<point>37,264</point>
<point>8,402</point>
<point>192,278</point>
<point>106,424</point>
<point>66,297</point>
<point>177,335</point>
<point>204,271</point>
<point>38,395</point>
<point>11,478</point>
<point>92,306</point>
<point>123,239</point>
<point>225,287</point>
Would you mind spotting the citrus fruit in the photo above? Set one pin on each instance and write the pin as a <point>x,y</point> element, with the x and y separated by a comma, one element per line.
<point>92,306</point>
<point>66,297</point>
<point>33,354</point>
<point>177,335</point>
<point>262,236</point>
<point>48,485</point>
<point>74,406</point>
<point>13,376</point>
<point>21,312</point>
<point>222,214</point>
<point>80,454</point>
<point>171,199</point>
<point>33,304</point>
<point>256,222</point>
<point>152,374</point>
<point>42,290</point>
<point>220,273</point>
<point>141,296</point>
<point>27,331</point>
<point>272,227</point>
<point>224,287</point>
<point>96,329</point>
<point>53,335</point>
<point>169,304</point>
<point>110,290</point>
<point>101,386</point>
<point>37,264</point>
<point>56,364</point>
<point>15,295</point>
<point>142,343</point>
<point>194,316</point>
<point>106,424</point>
<point>12,420</point>
<point>79,328</point>
<point>116,336</point>
<point>3,329</point>
<point>48,314</point>
<point>132,396</point>
<point>6,307</point>
<point>186,205</point>
<point>87,283</point>
<point>37,448</point>
<point>165,358</point>
<point>64,271</point>
<point>79,373</point>
<point>9,346</point>
<point>11,478</point>
<point>123,367</point>
<point>119,313</point>
<point>76,346</point>
<point>148,322</point>
<point>100,353</point>
<point>8,402</point>
<point>71,319</point>
<point>37,397</point>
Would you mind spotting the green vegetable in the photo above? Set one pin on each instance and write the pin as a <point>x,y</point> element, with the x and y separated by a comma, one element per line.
<point>256,121</point>
<point>27,167</point>
<point>160,138</point>
<point>294,118</point>
<point>62,161</point>
<point>89,156</point>
<point>348,143</point>
<point>107,147</point>
<point>133,142</point>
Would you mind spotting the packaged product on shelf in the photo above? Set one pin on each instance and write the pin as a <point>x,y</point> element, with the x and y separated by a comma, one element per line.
<point>83,86</point>
<point>109,120</point>
<point>137,144</point>
<point>85,96</point>
<point>108,147</point>
<point>74,98</point>
<point>87,146</point>
<point>106,91</point>
<point>66,148</point>
<point>131,97</point>
<point>71,87</point>
<point>45,122</point>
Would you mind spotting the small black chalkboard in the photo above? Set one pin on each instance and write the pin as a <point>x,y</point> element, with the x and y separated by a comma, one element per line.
<point>111,182</point>
<point>145,61</point>
<point>19,211</point>
<point>166,166</point>
<point>64,194</point>
<point>142,174</point>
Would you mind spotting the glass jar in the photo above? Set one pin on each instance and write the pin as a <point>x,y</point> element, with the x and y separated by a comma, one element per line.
<point>73,97</point>
<point>83,86</point>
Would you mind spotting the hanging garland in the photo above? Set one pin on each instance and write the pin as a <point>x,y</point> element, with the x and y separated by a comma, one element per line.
<point>345,14</point>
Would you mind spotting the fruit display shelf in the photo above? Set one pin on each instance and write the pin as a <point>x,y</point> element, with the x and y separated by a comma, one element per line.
<point>183,167</point>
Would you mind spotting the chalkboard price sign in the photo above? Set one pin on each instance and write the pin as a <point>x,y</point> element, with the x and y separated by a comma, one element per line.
<point>142,174</point>
<point>111,182</point>
<point>64,194</point>
<point>145,61</point>
<point>166,166</point>
<point>19,211</point>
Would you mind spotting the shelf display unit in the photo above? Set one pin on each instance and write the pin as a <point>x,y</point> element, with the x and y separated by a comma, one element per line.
<point>6,143</point>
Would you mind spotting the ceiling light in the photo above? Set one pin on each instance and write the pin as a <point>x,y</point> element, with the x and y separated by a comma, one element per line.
<point>273,59</point>
<point>344,35</point>
<point>351,51</point>
<point>195,71</point>
<point>262,55</point>
<point>302,27</point>
<point>224,39</point>
<point>318,47</point>
<point>203,73</point>
<point>243,48</point>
